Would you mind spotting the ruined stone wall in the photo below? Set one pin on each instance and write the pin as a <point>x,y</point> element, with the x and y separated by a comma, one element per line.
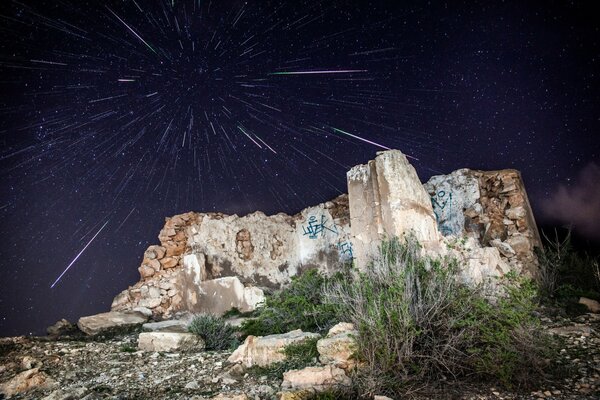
<point>490,206</point>
<point>210,262</point>
<point>198,252</point>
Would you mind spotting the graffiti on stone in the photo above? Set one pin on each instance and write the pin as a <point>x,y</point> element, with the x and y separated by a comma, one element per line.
<point>318,227</point>
<point>345,249</point>
<point>444,213</point>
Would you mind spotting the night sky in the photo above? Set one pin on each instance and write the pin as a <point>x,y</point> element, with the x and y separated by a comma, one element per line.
<point>116,114</point>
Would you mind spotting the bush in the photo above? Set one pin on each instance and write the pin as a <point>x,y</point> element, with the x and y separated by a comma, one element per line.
<point>217,334</point>
<point>566,274</point>
<point>299,306</point>
<point>417,323</point>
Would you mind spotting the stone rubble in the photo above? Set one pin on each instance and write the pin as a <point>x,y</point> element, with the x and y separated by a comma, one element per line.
<point>110,321</point>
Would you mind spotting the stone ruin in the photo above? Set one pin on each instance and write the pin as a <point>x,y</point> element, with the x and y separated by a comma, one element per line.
<point>211,262</point>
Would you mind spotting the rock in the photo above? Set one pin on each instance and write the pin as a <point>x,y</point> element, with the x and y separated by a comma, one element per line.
<point>297,395</point>
<point>266,350</point>
<point>521,244</point>
<point>592,305</point>
<point>146,271</point>
<point>169,341</point>
<point>217,296</point>
<point>339,346</point>
<point>318,378</point>
<point>143,310</point>
<point>504,248</point>
<point>150,302</point>
<point>387,199</point>
<point>109,321</point>
<point>64,394</point>
<point>226,396</point>
<point>166,326</point>
<point>193,385</point>
<point>382,398</point>
<point>60,328</point>
<point>516,213</point>
<point>26,381</point>
<point>169,262</point>
<point>29,362</point>
<point>341,327</point>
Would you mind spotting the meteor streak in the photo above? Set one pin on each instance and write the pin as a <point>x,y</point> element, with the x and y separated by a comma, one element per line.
<point>77,256</point>
<point>132,31</point>
<point>340,71</point>
<point>367,141</point>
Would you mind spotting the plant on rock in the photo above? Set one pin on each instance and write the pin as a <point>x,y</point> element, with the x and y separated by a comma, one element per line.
<point>216,332</point>
<point>299,306</point>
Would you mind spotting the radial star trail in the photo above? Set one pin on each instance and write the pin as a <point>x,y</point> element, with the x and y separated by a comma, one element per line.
<point>79,254</point>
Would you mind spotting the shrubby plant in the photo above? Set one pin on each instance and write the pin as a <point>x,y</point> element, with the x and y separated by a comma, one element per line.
<point>417,323</point>
<point>299,306</point>
<point>566,274</point>
<point>217,334</point>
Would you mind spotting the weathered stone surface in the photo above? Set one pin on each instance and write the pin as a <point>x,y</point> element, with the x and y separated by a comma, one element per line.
<point>339,346</point>
<point>382,398</point>
<point>26,381</point>
<point>266,350</point>
<point>169,341</point>
<point>592,305</point>
<point>491,207</point>
<point>217,296</point>
<point>341,327</point>
<point>166,326</point>
<point>318,378</point>
<point>387,199</point>
<point>61,327</point>
<point>99,323</point>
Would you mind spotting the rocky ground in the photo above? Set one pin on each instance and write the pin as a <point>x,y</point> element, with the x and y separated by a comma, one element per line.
<point>80,367</point>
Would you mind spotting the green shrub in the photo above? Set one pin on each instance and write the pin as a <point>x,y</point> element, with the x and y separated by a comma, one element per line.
<point>418,324</point>
<point>299,306</point>
<point>217,334</point>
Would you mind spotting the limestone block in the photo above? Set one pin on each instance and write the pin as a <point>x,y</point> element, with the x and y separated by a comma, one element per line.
<point>99,323</point>
<point>169,341</point>
<point>318,378</point>
<point>266,350</point>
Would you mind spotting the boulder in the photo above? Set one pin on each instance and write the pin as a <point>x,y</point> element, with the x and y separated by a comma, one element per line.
<point>317,378</point>
<point>110,321</point>
<point>62,327</point>
<point>592,305</point>
<point>339,346</point>
<point>169,341</point>
<point>166,326</point>
<point>266,350</point>
<point>26,381</point>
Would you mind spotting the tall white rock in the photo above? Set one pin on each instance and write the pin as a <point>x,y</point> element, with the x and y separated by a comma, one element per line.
<point>387,199</point>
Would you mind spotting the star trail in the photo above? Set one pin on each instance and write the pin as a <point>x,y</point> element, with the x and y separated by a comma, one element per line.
<point>116,114</point>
